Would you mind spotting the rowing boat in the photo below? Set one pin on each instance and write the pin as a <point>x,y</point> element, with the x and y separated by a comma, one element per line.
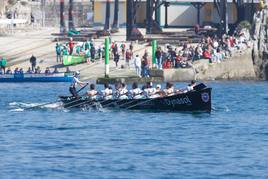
<point>196,100</point>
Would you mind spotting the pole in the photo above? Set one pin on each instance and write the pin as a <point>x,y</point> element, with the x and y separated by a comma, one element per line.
<point>43,2</point>
<point>198,12</point>
<point>149,19</point>
<point>107,56</point>
<point>130,19</point>
<point>154,46</point>
<point>166,14</point>
<point>71,21</point>
<point>116,11</point>
<point>107,16</point>
<point>62,24</point>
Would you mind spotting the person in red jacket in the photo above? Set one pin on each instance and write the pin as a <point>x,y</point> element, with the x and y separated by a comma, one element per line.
<point>71,46</point>
<point>207,54</point>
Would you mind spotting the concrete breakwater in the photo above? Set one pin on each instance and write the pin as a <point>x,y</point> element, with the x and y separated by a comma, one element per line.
<point>238,67</point>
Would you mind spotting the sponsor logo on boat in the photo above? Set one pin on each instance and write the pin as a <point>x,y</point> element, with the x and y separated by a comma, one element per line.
<point>205,97</point>
<point>178,101</point>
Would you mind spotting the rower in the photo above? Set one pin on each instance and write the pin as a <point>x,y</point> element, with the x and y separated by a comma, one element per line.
<point>158,92</point>
<point>149,90</point>
<point>136,92</point>
<point>123,93</point>
<point>158,88</point>
<point>92,93</point>
<point>191,86</point>
<point>107,93</point>
<point>75,82</point>
<point>118,88</point>
<point>169,89</point>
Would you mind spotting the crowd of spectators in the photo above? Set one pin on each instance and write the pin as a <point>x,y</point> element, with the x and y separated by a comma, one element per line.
<point>87,49</point>
<point>214,49</point>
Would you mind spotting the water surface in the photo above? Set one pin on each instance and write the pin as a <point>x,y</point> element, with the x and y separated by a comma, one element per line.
<point>231,142</point>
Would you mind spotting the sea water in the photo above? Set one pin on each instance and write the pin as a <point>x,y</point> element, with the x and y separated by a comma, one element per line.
<point>52,142</point>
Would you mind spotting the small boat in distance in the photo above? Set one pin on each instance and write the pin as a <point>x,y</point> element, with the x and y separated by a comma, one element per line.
<point>42,77</point>
<point>196,100</point>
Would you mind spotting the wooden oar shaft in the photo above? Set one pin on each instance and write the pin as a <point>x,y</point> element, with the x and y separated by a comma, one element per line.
<point>41,105</point>
<point>143,102</point>
<point>82,88</point>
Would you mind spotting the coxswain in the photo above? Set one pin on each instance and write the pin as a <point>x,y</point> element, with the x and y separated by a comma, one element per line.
<point>76,82</point>
<point>92,92</point>
<point>169,89</point>
<point>136,92</point>
<point>107,93</point>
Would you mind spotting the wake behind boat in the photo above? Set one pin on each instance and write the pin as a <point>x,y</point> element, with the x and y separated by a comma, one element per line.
<point>198,99</point>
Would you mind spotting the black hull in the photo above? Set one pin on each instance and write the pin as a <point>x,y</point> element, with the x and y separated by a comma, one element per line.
<point>191,101</point>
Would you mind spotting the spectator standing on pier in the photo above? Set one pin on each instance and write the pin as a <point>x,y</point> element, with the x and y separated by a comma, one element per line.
<point>137,63</point>
<point>123,50</point>
<point>92,52</point>
<point>87,45</point>
<point>33,62</point>
<point>114,49</point>
<point>128,57</point>
<point>58,52</point>
<point>71,46</point>
<point>196,29</point>
<point>65,51</point>
<point>158,55</point>
<point>131,47</point>
<point>116,58</point>
<point>172,55</point>
<point>145,64</point>
<point>3,64</point>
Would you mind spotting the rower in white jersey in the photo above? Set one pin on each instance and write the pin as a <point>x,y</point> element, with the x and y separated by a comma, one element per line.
<point>107,93</point>
<point>123,92</point>
<point>149,90</point>
<point>136,92</point>
<point>92,92</point>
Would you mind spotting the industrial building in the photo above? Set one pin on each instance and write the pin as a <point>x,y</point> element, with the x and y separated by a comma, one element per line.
<point>178,13</point>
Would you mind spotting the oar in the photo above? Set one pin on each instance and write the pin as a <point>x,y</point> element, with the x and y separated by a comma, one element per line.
<point>82,88</point>
<point>143,102</point>
<point>66,104</point>
<point>129,102</point>
<point>78,104</point>
<point>41,105</point>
